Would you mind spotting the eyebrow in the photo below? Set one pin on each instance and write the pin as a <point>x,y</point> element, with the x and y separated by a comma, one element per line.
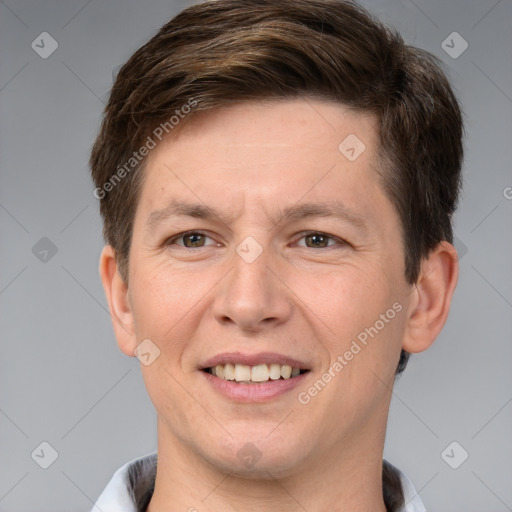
<point>292,213</point>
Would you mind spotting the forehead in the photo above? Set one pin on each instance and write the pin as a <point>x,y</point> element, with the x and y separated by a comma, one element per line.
<point>302,122</point>
<point>265,155</point>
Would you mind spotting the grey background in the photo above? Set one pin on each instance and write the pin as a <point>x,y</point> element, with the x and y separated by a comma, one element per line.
<point>62,378</point>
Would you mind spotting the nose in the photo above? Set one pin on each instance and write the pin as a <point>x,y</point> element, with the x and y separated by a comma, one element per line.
<point>253,296</point>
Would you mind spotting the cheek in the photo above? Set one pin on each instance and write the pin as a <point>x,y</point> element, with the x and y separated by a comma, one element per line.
<point>164,297</point>
<point>346,300</point>
<point>364,313</point>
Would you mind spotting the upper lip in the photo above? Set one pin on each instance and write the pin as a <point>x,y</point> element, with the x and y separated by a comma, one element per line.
<point>253,360</point>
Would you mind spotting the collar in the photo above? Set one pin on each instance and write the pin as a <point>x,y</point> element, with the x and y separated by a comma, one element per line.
<point>131,487</point>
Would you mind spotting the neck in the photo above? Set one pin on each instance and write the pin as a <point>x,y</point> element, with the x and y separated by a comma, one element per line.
<point>347,478</point>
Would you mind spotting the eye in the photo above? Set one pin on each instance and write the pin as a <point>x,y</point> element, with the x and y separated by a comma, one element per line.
<point>319,240</point>
<point>191,240</point>
<point>197,240</point>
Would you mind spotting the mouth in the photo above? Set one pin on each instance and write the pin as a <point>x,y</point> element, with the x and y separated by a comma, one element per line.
<point>254,377</point>
<point>256,374</point>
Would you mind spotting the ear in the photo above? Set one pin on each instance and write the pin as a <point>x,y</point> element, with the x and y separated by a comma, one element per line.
<point>118,301</point>
<point>432,295</point>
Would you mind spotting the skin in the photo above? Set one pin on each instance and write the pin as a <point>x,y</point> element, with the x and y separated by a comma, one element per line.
<point>304,297</point>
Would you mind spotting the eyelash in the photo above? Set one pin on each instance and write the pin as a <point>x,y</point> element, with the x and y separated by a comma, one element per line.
<point>303,234</point>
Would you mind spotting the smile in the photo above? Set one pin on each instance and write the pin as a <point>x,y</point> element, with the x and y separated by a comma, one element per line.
<point>249,378</point>
<point>245,374</point>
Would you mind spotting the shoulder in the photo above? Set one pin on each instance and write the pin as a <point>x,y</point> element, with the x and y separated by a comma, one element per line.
<point>130,486</point>
<point>412,500</point>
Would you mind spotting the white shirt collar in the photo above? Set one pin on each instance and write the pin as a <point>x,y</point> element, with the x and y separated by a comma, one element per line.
<point>135,479</point>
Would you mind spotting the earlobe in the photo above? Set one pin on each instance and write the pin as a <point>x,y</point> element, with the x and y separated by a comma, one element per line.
<point>116,292</point>
<point>432,298</point>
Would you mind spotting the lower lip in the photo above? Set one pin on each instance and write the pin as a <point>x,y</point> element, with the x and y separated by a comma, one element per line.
<point>260,392</point>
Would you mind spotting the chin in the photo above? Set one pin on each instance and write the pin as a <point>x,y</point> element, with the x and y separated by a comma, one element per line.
<point>260,459</point>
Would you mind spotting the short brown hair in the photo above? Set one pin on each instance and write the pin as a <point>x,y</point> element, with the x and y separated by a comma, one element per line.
<point>224,51</point>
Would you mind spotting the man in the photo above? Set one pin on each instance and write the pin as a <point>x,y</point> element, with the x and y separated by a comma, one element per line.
<point>277,180</point>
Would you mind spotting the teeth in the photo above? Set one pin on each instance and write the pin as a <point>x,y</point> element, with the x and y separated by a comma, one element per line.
<point>257,373</point>
<point>219,371</point>
<point>286,371</point>
<point>242,372</point>
<point>229,371</point>
<point>275,371</point>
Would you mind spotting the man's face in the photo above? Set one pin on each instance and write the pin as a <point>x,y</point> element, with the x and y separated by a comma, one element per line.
<point>267,280</point>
